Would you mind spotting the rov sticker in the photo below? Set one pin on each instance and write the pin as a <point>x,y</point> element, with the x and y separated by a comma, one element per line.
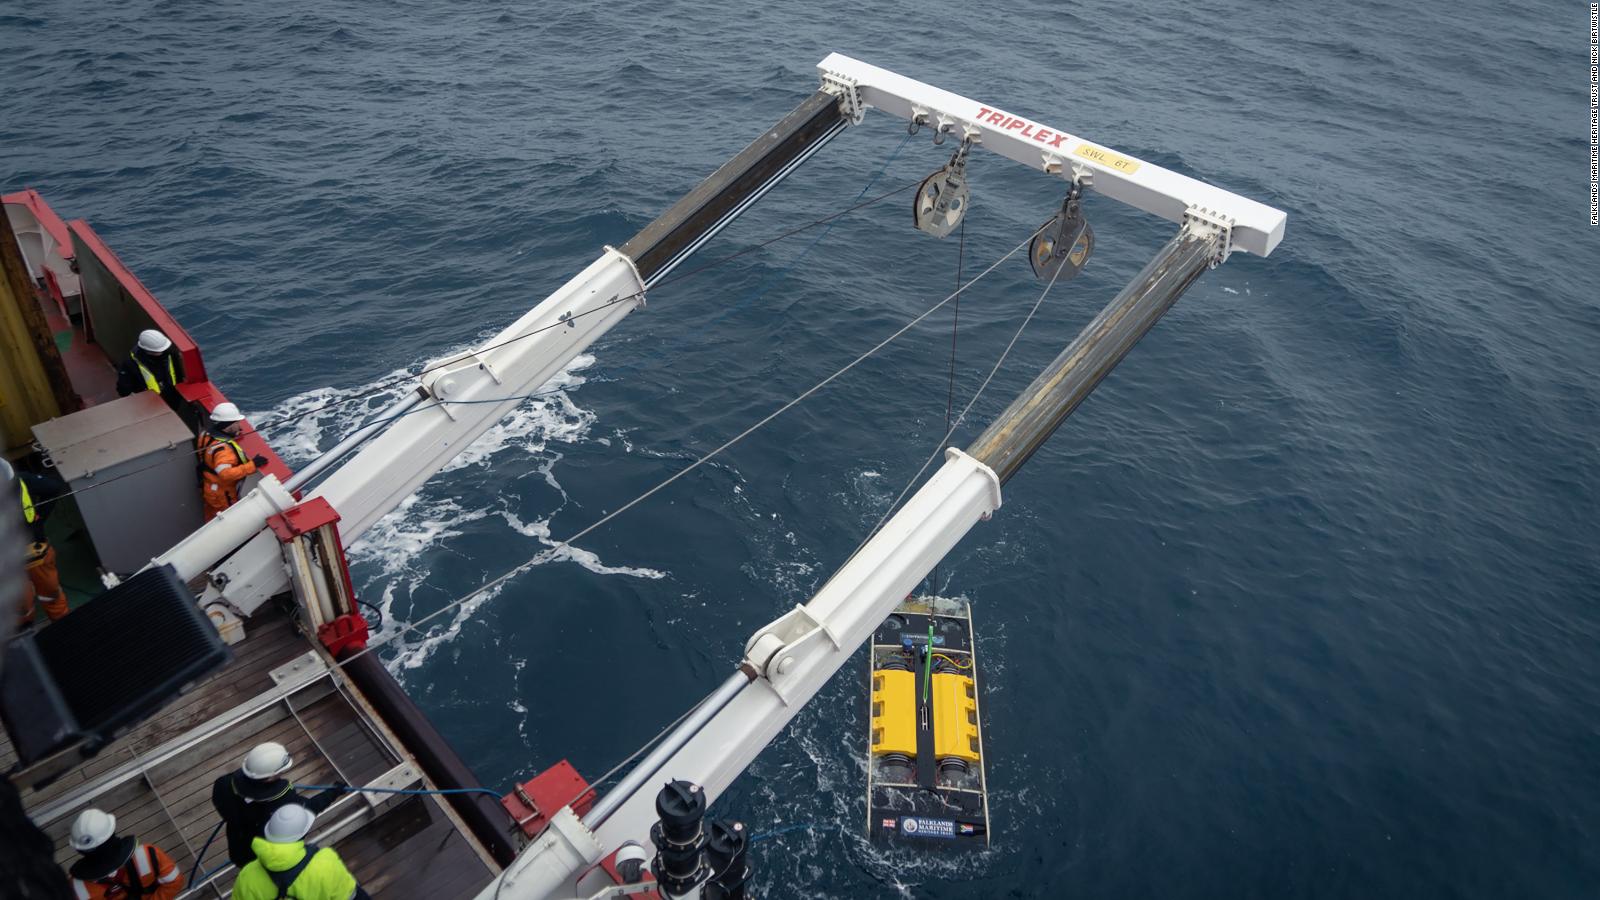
<point>888,824</point>
<point>928,828</point>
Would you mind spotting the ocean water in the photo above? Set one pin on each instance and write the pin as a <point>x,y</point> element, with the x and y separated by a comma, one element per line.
<point>1303,602</point>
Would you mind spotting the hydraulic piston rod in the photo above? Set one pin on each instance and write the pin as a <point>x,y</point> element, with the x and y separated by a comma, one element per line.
<point>339,451</point>
<point>788,654</point>
<point>419,434</point>
<point>734,187</point>
<point>1038,411</point>
<point>787,661</point>
<point>676,233</point>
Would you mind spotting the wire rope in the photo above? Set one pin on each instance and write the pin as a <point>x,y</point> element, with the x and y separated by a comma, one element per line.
<point>950,394</point>
<point>968,408</point>
<point>567,543</point>
<point>385,386</point>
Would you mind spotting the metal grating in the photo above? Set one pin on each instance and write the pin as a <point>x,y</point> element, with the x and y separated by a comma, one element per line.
<point>130,651</point>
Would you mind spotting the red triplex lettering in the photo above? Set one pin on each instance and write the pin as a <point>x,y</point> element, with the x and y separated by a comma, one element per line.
<point>1023,127</point>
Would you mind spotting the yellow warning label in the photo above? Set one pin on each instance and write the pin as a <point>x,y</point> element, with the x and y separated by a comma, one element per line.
<point>1108,159</point>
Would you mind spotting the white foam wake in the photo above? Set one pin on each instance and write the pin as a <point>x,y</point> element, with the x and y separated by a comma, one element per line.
<point>391,563</point>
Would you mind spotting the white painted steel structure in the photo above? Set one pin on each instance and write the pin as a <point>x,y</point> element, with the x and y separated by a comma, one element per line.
<point>790,659</point>
<point>795,656</point>
<point>1256,227</point>
<point>393,463</point>
<point>466,394</point>
<point>798,652</point>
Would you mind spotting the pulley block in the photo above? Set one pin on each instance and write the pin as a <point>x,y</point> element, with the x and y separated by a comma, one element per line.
<point>942,198</point>
<point>1066,241</point>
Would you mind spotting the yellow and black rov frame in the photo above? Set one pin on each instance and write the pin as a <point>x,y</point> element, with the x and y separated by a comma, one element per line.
<point>925,778</point>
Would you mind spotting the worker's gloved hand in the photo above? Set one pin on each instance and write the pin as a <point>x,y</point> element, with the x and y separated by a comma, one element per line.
<point>260,461</point>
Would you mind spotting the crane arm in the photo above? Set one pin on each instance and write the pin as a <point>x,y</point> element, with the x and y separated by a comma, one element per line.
<point>789,660</point>
<point>459,398</point>
<point>785,664</point>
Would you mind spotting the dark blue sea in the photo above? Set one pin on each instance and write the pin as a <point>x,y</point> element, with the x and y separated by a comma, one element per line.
<point>1301,603</point>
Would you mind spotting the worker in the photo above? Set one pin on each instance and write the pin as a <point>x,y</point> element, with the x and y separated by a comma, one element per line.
<point>247,798</point>
<point>37,494</point>
<point>113,866</point>
<point>286,866</point>
<point>222,461</point>
<point>152,366</point>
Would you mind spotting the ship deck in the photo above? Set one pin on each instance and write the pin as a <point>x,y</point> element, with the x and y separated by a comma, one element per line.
<point>157,779</point>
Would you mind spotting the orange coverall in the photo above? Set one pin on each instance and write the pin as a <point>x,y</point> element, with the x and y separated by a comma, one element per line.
<point>222,466</point>
<point>158,876</point>
<point>46,584</point>
<point>45,580</point>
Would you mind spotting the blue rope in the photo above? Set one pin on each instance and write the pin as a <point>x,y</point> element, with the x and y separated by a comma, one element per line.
<point>381,790</point>
<point>327,787</point>
<point>203,850</point>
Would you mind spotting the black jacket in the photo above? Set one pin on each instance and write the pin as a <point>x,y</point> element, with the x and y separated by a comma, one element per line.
<point>42,489</point>
<point>247,819</point>
<point>131,381</point>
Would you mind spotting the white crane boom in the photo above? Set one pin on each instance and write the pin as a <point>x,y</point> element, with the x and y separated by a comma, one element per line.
<point>449,413</point>
<point>792,658</point>
<point>789,660</point>
<point>465,395</point>
<point>459,398</point>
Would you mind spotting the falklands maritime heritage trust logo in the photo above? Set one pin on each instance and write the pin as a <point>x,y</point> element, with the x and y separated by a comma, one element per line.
<point>1594,114</point>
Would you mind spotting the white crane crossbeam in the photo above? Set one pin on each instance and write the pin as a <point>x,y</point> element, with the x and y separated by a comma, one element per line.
<point>1256,227</point>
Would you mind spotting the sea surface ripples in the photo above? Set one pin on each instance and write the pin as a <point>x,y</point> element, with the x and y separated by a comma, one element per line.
<point>1300,603</point>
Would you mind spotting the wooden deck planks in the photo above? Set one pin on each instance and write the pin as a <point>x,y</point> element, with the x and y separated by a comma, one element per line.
<point>394,858</point>
<point>271,642</point>
<point>185,781</point>
<point>410,851</point>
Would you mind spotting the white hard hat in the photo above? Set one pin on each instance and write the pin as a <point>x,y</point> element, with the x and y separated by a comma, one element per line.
<point>153,341</point>
<point>267,760</point>
<point>6,472</point>
<point>289,823</point>
<point>92,828</point>
<point>224,413</point>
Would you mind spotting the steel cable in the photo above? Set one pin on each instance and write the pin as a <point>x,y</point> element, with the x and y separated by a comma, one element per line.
<point>408,378</point>
<point>567,543</point>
